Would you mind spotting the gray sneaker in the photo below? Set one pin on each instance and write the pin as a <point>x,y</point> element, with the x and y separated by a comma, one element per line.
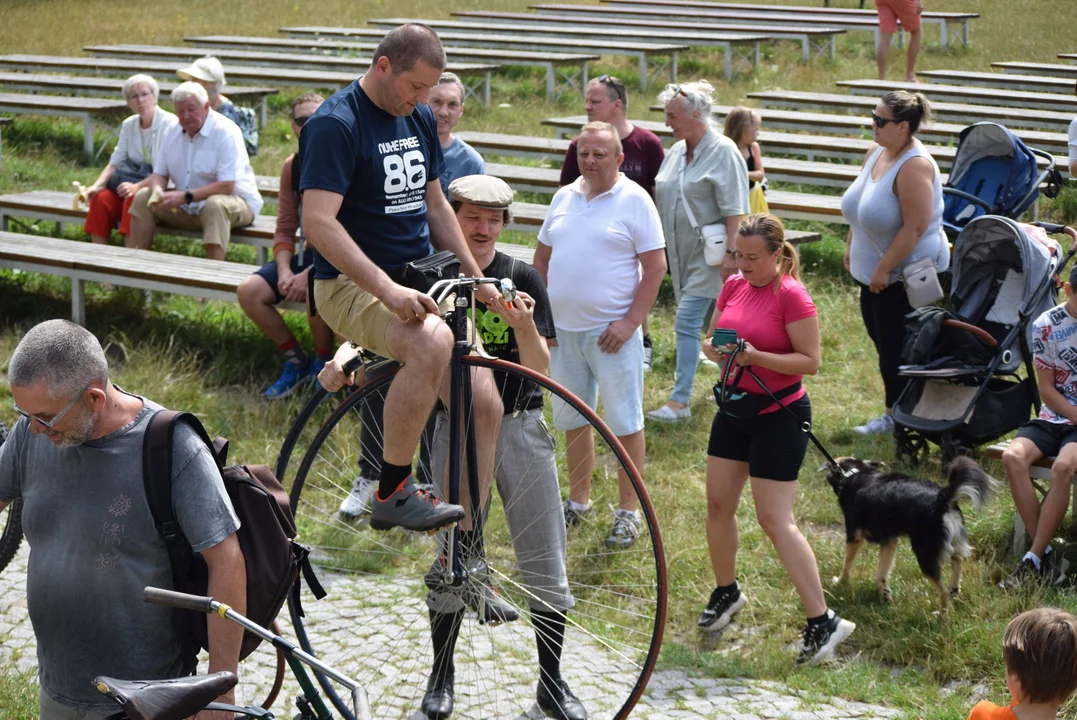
<point>882,425</point>
<point>413,509</point>
<point>625,530</point>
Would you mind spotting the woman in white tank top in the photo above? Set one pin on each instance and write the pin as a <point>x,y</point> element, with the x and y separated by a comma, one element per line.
<point>894,210</point>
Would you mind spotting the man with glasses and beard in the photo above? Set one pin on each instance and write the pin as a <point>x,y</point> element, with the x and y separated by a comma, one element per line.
<point>606,100</point>
<point>75,460</point>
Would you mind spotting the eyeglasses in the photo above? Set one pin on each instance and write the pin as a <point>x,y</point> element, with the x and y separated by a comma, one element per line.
<point>881,122</point>
<point>55,418</point>
<point>301,120</point>
<point>616,84</point>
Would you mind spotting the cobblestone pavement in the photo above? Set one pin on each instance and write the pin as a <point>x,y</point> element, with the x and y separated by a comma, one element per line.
<point>481,665</point>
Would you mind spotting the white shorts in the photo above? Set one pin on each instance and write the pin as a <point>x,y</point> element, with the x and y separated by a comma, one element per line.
<point>587,372</point>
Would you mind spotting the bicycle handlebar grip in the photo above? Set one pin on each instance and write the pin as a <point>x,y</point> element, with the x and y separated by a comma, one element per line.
<point>183,601</point>
<point>352,365</point>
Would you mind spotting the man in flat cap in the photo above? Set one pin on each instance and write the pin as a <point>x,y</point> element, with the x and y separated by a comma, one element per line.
<point>526,470</point>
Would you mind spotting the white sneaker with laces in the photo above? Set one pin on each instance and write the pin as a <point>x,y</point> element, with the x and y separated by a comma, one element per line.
<point>882,425</point>
<point>359,500</point>
<point>669,415</point>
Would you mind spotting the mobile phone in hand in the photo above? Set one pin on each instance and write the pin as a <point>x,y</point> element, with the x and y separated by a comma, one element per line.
<point>723,337</point>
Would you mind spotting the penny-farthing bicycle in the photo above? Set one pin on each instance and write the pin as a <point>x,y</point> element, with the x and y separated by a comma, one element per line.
<point>375,625</point>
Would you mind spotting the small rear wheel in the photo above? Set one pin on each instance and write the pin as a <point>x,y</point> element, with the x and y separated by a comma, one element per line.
<point>11,520</point>
<point>375,624</point>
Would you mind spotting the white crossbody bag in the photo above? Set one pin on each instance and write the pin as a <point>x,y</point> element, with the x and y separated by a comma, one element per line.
<point>712,236</point>
<point>921,278</point>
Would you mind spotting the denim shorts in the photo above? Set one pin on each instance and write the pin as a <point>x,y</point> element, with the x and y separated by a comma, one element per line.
<point>580,365</point>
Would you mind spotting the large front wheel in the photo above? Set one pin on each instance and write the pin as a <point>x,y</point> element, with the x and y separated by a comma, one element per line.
<point>375,625</point>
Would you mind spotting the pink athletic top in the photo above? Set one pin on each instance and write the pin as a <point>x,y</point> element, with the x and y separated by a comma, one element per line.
<point>759,315</point>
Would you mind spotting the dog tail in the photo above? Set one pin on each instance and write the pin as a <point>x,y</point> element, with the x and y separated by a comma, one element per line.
<point>969,481</point>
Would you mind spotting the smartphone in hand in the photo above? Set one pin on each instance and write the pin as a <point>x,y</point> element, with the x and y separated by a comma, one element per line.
<point>724,339</point>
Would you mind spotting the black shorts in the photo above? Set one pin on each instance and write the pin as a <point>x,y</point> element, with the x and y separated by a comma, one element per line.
<point>1048,437</point>
<point>773,444</point>
<point>268,272</point>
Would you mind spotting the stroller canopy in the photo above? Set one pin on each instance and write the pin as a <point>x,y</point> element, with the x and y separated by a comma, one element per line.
<point>1001,272</point>
<point>994,165</point>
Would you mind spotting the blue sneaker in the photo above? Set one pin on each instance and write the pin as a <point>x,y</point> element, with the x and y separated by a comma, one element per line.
<point>289,380</point>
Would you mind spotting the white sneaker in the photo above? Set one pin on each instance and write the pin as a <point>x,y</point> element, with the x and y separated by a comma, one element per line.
<point>704,360</point>
<point>669,415</point>
<point>359,500</point>
<point>883,425</point>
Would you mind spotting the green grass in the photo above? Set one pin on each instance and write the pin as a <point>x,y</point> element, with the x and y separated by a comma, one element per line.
<point>208,358</point>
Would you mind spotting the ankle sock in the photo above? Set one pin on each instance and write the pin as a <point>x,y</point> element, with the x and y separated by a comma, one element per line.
<point>1035,560</point>
<point>579,507</point>
<point>819,619</point>
<point>293,353</point>
<point>733,588</point>
<point>550,637</point>
<point>391,478</point>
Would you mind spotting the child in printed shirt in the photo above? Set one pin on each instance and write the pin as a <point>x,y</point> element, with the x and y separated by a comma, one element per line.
<point>1039,648</point>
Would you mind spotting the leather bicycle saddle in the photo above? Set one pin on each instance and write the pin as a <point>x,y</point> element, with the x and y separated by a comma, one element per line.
<point>174,699</point>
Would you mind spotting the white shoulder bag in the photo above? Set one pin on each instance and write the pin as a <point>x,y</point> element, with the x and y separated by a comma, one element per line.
<point>712,236</point>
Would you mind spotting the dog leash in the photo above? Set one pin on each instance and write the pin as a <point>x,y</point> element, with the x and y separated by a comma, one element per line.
<point>805,425</point>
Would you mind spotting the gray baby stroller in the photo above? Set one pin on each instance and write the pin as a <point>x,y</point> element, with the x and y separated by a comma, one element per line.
<point>963,360</point>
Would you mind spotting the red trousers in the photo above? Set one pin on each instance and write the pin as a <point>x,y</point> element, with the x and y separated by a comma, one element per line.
<point>106,209</point>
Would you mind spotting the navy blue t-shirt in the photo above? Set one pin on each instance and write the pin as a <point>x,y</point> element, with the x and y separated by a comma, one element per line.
<point>381,164</point>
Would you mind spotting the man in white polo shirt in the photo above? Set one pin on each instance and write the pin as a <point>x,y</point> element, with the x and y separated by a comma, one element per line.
<point>207,163</point>
<point>602,254</point>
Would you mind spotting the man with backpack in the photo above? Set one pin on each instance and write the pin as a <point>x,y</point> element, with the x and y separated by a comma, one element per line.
<point>75,459</point>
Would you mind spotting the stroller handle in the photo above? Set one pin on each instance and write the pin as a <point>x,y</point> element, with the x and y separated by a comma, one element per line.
<point>978,332</point>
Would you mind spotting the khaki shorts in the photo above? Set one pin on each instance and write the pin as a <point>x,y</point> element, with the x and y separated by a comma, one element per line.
<point>354,313</point>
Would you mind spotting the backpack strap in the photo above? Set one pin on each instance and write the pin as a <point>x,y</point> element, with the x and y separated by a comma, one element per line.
<point>157,481</point>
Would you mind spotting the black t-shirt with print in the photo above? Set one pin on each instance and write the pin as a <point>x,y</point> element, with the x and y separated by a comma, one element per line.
<point>499,340</point>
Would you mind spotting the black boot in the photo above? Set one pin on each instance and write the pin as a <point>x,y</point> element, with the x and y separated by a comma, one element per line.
<point>554,697</point>
<point>438,700</point>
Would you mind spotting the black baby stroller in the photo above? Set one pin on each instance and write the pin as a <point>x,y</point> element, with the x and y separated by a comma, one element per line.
<point>994,173</point>
<point>963,388</point>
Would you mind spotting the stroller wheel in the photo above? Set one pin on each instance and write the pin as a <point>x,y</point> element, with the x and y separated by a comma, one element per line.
<point>910,447</point>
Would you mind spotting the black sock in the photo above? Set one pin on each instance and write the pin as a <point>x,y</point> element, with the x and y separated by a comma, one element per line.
<point>819,620</point>
<point>391,477</point>
<point>550,636</point>
<point>731,588</point>
<point>646,341</point>
<point>444,629</point>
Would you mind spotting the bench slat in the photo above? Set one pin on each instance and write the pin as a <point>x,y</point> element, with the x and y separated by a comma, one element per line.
<point>699,33</point>
<point>762,20</point>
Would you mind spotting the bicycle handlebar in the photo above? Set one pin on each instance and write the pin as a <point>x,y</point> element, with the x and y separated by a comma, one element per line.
<point>183,601</point>
<point>442,288</point>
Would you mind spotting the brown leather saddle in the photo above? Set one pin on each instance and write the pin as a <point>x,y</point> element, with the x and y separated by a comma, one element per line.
<point>174,699</point>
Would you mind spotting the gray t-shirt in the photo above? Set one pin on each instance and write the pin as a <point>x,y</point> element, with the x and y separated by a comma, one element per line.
<point>93,547</point>
<point>461,160</point>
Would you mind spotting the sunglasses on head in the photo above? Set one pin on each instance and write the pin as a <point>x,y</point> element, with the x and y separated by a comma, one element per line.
<point>301,120</point>
<point>881,122</point>
<point>617,85</point>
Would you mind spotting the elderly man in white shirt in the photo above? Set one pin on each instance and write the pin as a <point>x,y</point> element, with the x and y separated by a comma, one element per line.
<point>206,162</point>
<point>601,253</point>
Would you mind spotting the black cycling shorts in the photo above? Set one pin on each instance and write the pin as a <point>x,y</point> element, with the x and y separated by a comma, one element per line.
<point>1048,437</point>
<point>773,444</point>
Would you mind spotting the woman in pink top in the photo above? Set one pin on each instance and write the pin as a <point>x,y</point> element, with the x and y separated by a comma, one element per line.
<point>773,313</point>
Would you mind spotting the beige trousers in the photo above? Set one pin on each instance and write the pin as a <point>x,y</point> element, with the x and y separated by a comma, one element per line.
<point>219,215</point>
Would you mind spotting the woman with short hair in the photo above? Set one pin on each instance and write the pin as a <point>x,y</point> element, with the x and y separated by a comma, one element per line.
<point>705,169</point>
<point>775,321</point>
<point>894,209</point>
<point>131,164</point>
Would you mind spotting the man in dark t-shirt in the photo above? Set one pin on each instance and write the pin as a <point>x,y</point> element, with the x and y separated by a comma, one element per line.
<point>606,100</point>
<point>372,203</point>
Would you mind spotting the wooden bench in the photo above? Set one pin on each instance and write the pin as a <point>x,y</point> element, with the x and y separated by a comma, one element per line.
<point>544,148</point>
<point>1001,81</point>
<point>812,40</point>
<point>864,98</point>
<point>830,123</point>
<point>479,74</point>
<point>1040,470</point>
<point>1040,69</point>
<point>3,121</point>
<point>656,58</point>
<point>97,86</point>
<point>1029,109</point>
<point>942,19</point>
<point>564,72</point>
<point>86,109</point>
<point>1072,57</point>
<point>56,206</point>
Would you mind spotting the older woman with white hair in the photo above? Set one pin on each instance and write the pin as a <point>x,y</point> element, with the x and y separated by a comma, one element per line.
<point>129,168</point>
<point>209,73</point>
<point>702,194</point>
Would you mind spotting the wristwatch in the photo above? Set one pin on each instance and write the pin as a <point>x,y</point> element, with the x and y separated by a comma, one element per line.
<point>188,197</point>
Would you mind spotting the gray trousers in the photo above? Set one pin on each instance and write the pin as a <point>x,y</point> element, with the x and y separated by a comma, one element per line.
<point>52,710</point>
<point>526,475</point>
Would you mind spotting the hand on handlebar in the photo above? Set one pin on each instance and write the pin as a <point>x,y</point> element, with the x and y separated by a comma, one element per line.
<point>408,304</point>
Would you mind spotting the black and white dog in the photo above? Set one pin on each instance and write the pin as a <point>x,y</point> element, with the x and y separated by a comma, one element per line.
<point>881,506</point>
